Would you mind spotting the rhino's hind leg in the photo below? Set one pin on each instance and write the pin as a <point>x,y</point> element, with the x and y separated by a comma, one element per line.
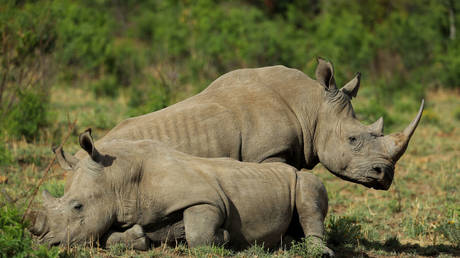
<point>133,237</point>
<point>203,226</point>
<point>311,205</point>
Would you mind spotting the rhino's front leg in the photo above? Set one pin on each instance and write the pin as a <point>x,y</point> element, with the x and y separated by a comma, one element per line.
<point>133,237</point>
<point>203,226</point>
<point>312,204</point>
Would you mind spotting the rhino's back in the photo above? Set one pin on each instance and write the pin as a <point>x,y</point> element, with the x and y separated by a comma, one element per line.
<point>200,129</point>
<point>278,75</point>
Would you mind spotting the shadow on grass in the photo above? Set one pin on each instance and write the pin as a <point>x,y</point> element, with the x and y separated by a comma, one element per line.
<point>395,248</point>
<point>345,238</point>
<point>393,245</point>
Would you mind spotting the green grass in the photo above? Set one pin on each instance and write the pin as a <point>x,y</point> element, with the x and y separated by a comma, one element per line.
<point>418,216</point>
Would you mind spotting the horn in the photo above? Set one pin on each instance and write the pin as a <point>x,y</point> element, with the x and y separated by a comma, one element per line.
<point>411,128</point>
<point>377,126</point>
<point>396,143</point>
<point>37,222</point>
<point>47,197</point>
<point>352,87</point>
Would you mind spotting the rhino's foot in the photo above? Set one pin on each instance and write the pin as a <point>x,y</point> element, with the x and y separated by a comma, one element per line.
<point>316,243</point>
<point>134,238</point>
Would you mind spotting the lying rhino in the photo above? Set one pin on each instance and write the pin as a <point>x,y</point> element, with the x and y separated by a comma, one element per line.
<point>162,194</point>
<point>276,114</point>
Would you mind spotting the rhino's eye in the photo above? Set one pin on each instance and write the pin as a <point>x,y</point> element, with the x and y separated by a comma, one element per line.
<point>352,140</point>
<point>77,206</point>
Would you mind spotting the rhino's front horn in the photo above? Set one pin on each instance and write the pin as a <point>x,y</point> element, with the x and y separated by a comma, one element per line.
<point>396,143</point>
<point>37,222</point>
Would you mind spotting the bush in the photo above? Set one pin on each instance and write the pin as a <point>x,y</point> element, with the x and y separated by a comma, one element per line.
<point>84,34</point>
<point>106,86</point>
<point>149,99</point>
<point>15,240</point>
<point>28,40</point>
<point>28,115</point>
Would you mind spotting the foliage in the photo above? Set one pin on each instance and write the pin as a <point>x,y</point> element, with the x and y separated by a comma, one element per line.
<point>28,40</point>
<point>27,116</point>
<point>14,240</point>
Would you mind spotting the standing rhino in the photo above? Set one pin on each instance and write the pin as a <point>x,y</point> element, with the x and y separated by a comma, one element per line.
<point>162,194</point>
<point>276,114</point>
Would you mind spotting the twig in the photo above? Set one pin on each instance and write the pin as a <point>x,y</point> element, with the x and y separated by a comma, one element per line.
<point>32,197</point>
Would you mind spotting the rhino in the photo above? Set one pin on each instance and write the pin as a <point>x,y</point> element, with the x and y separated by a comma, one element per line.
<point>276,114</point>
<point>161,195</point>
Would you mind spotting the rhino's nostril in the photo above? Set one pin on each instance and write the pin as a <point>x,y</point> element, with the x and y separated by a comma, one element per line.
<point>379,170</point>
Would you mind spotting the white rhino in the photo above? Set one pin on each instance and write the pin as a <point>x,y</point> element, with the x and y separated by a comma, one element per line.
<point>162,194</point>
<point>276,114</point>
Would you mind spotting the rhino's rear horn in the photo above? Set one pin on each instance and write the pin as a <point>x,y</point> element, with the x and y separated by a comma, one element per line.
<point>377,126</point>
<point>65,160</point>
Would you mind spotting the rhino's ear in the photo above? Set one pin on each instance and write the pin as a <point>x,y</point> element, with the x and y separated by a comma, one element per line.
<point>65,160</point>
<point>352,87</point>
<point>87,143</point>
<point>325,74</point>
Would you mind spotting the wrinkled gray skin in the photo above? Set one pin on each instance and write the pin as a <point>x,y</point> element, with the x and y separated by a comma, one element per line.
<point>276,114</point>
<point>161,194</point>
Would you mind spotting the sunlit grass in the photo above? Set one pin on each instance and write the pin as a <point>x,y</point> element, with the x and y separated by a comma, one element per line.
<point>418,215</point>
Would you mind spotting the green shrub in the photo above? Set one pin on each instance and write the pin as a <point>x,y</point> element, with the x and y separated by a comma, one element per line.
<point>149,99</point>
<point>125,61</point>
<point>28,115</point>
<point>84,34</point>
<point>15,241</point>
<point>28,40</point>
<point>106,86</point>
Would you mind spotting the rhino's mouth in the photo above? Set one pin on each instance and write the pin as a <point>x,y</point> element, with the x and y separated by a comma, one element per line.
<point>379,176</point>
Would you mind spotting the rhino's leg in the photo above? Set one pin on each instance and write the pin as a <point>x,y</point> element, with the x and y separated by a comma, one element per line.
<point>203,226</point>
<point>311,205</point>
<point>133,237</point>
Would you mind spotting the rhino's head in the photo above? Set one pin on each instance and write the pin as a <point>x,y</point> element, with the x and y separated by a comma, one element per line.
<point>353,151</point>
<point>86,210</point>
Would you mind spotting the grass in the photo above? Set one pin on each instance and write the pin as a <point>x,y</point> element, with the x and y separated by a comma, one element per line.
<point>418,216</point>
